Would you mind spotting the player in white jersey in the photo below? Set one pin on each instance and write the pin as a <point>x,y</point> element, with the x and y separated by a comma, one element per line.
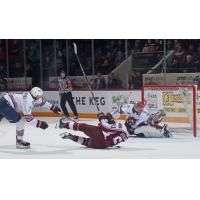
<point>143,124</point>
<point>11,104</point>
<point>137,111</point>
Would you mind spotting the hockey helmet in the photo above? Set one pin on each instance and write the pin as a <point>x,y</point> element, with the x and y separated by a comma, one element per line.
<point>139,106</point>
<point>36,92</point>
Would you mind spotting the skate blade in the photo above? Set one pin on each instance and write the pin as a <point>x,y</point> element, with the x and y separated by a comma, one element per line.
<point>22,147</point>
<point>64,135</point>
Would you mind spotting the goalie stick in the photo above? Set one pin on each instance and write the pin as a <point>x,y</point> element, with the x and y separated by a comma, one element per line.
<point>89,86</point>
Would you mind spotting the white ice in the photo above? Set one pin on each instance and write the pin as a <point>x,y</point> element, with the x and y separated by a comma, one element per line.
<point>48,144</point>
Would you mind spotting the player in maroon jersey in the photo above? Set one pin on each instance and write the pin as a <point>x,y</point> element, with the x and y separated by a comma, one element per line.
<point>106,134</point>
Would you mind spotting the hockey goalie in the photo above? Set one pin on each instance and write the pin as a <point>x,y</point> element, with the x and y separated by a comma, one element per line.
<point>140,123</point>
<point>106,134</point>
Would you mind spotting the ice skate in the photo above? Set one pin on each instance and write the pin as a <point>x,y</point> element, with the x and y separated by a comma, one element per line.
<point>22,144</point>
<point>166,132</point>
<point>75,117</point>
<point>61,123</point>
<point>65,119</point>
<point>66,135</point>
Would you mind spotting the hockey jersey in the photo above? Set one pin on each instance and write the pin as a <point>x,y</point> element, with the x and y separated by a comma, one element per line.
<point>24,102</point>
<point>113,133</point>
<point>129,111</point>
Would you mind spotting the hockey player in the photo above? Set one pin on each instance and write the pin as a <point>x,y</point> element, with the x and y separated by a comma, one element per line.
<point>143,124</point>
<point>13,103</point>
<point>136,110</point>
<point>106,134</point>
<point>147,129</point>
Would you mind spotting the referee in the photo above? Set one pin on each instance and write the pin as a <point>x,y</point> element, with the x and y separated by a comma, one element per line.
<point>65,92</point>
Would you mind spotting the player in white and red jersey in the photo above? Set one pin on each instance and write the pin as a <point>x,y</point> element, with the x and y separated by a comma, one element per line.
<point>106,134</point>
<point>12,103</point>
<point>137,111</point>
<point>140,123</point>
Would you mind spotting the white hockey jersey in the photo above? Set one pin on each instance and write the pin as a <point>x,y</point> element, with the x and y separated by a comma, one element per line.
<point>24,102</point>
<point>128,110</point>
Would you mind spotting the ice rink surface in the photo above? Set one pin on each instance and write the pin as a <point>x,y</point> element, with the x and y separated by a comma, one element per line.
<point>48,144</point>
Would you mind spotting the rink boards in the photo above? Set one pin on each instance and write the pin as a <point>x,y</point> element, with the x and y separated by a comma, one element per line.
<point>106,101</point>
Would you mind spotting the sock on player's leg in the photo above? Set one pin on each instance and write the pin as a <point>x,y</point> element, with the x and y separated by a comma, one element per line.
<point>80,140</point>
<point>72,126</point>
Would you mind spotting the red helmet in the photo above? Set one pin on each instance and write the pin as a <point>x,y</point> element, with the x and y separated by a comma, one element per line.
<point>139,106</point>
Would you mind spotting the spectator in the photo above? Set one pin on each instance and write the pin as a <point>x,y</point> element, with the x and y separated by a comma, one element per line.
<point>137,81</point>
<point>152,48</point>
<point>33,54</point>
<point>99,82</point>
<point>112,82</point>
<point>188,65</point>
<point>189,59</point>
<point>2,71</point>
<point>119,83</point>
<point>179,50</point>
<point>18,71</point>
<point>130,81</point>
<point>29,70</point>
<point>137,46</point>
<point>145,48</point>
<point>169,45</point>
<point>191,49</point>
<point>119,58</point>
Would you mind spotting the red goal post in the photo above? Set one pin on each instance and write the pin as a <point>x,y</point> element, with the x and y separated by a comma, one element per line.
<point>171,88</point>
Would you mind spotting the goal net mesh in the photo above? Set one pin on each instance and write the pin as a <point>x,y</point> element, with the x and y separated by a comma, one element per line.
<point>179,102</point>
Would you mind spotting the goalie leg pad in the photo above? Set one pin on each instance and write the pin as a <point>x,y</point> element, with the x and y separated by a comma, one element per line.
<point>149,131</point>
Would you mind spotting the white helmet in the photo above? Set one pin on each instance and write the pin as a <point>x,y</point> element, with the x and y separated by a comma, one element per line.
<point>36,92</point>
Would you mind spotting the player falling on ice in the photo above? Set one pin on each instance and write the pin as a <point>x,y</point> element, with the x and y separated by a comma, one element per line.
<point>106,134</point>
<point>143,124</point>
<point>13,103</point>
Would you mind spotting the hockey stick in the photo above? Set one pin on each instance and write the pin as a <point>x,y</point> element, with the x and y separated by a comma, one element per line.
<point>88,83</point>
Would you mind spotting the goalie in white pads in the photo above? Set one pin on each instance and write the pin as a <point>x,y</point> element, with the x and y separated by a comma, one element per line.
<point>140,123</point>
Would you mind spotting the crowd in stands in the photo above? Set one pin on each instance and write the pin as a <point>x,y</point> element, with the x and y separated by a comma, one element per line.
<point>112,82</point>
<point>186,58</point>
<point>108,54</point>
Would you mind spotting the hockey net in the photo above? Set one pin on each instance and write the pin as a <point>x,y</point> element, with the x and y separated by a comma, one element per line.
<point>180,103</point>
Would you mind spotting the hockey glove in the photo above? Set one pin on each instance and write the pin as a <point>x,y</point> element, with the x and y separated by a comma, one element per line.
<point>100,116</point>
<point>110,119</point>
<point>42,124</point>
<point>55,109</point>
